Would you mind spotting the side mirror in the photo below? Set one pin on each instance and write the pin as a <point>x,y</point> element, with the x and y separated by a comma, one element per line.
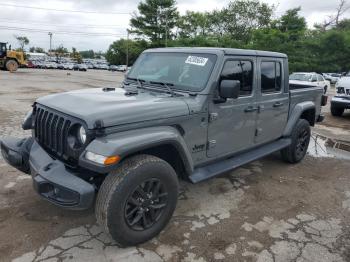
<point>229,89</point>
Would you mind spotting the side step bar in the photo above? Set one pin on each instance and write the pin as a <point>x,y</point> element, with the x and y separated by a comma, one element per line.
<point>209,171</point>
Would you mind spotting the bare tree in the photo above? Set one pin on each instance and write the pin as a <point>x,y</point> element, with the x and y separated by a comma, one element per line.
<point>342,8</point>
<point>333,20</point>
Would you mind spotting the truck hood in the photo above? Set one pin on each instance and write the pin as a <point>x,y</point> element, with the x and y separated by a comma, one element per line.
<point>115,107</point>
<point>344,82</point>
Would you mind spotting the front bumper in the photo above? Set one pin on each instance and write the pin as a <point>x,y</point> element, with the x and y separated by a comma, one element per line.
<point>343,102</point>
<point>51,179</point>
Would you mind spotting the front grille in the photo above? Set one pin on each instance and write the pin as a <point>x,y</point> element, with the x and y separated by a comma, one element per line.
<point>341,90</point>
<point>51,130</point>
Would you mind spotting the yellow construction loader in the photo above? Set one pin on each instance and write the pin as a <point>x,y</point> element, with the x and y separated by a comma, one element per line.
<point>10,59</point>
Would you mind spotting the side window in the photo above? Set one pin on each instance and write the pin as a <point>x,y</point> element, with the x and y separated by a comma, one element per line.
<point>320,78</point>
<point>271,77</point>
<point>241,71</point>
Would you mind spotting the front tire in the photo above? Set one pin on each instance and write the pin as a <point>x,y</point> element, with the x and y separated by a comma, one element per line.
<point>337,111</point>
<point>300,136</point>
<point>11,65</point>
<point>137,200</point>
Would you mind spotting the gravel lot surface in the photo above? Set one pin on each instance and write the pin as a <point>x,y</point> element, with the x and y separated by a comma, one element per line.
<point>264,211</point>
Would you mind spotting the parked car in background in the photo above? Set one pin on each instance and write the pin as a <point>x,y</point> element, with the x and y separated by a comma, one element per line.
<point>312,79</point>
<point>83,67</point>
<point>90,66</point>
<point>122,68</point>
<point>50,65</point>
<point>341,100</point>
<point>113,68</point>
<point>68,66</point>
<point>104,67</point>
<point>60,66</point>
<point>332,77</point>
<point>80,67</point>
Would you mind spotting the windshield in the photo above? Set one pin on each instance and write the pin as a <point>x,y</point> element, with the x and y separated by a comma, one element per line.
<point>184,71</point>
<point>300,77</point>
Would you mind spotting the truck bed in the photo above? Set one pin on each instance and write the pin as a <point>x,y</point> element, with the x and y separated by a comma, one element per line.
<point>306,94</point>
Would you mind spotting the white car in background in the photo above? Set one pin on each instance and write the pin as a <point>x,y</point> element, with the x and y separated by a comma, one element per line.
<point>312,79</point>
<point>332,77</point>
<point>341,100</point>
<point>122,68</point>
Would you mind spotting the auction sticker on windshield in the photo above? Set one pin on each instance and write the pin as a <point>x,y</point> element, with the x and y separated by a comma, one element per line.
<point>196,60</point>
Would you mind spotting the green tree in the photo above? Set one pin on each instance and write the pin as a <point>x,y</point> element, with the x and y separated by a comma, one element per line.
<point>241,17</point>
<point>291,21</point>
<point>334,51</point>
<point>22,41</point>
<point>194,24</point>
<point>344,25</point>
<point>87,54</point>
<point>34,49</point>
<point>155,21</point>
<point>287,35</point>
<point>76,56</point>
<point>117,51</point>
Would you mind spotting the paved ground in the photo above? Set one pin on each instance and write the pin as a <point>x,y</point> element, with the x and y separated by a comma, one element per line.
<point>265,211</point>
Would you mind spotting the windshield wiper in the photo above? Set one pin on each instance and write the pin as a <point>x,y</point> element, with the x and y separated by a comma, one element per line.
<point>139,81</point>
<point>167,85</point>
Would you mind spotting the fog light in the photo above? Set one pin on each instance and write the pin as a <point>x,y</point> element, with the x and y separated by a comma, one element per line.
<point>103,160</point>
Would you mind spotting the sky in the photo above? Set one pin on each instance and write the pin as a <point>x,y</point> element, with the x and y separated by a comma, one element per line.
<point>95,24</point>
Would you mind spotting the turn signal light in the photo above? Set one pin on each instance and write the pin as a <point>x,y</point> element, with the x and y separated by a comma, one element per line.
<point>103,160</point>
<point>111,160</point>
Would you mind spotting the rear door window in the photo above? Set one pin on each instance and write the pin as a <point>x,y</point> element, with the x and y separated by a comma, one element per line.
<point>271,77</point>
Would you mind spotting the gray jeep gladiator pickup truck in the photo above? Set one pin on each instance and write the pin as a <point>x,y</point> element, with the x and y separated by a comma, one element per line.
<point>189,113</point>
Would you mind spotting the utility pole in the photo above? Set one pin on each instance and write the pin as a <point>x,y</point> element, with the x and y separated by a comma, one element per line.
<point>127,48</point>
<point>50,34</point>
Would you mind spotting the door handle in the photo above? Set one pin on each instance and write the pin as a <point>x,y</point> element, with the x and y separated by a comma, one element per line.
<point>251,109</point>
<point>278,104</point>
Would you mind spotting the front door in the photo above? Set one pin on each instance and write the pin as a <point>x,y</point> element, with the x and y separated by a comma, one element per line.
<point>273,100</point>
<point>232,122</point>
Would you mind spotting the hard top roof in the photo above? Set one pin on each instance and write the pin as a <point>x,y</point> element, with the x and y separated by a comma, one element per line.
<point>216,50</point>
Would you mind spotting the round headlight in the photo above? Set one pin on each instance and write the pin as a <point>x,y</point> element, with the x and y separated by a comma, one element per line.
<point>82,135</point>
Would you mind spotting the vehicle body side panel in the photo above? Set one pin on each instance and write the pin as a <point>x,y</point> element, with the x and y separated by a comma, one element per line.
<point>126,143</point>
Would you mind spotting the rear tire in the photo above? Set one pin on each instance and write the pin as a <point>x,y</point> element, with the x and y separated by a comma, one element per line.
<point>300,136</point>
<point>337,111</point>
<point>11,65</point>
<point>137,200</point>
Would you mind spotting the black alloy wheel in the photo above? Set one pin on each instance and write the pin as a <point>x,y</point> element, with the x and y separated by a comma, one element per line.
<point>145,205</point>
<point>302,143</point>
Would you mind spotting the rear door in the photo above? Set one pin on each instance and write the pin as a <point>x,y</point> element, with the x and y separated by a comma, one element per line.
<point>232,122</point>
<point>273,100</point>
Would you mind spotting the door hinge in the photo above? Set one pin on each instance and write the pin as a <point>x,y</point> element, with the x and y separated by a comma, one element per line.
<point>211,144</point>
<point>213,117</point>
<point>258,131</point>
